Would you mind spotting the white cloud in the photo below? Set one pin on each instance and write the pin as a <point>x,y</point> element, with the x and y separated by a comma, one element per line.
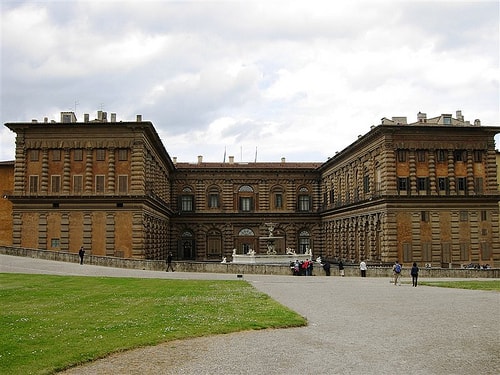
<point>299,79</point>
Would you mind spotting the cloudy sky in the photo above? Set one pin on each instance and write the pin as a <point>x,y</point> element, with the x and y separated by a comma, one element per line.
<point>295,79</point>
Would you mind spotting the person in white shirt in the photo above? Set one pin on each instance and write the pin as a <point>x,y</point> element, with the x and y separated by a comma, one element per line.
<point>363,268</point>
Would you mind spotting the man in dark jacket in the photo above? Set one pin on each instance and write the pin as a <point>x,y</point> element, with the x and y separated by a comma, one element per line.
<point>326,267</point>
<point>169,262</point>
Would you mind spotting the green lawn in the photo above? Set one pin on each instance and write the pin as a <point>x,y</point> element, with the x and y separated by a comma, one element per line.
<point>49,323</point>
<point>468,284</point>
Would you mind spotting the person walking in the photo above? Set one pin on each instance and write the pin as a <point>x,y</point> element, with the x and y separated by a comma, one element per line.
<point>396,270</point>
<point>81,253</point>
<point>341,268</point>
<point>363,267</point>
<point>326,267</point>
<point>169,262</point>
<point>414,274</point>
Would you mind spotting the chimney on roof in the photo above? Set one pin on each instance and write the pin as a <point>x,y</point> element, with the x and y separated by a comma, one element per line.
<point>422,117</point>
<point>113,117</point>
<point>399,120</point>
<point>477,122</point>
<point>102,116</point>
<point>231,160</point>
<point>283,160</point>
<point>200,159</point>
<point>139,118</point>
<point>46,120</point>
<point>174,160</point>
<point>86,117</point>
<point>459,116</point>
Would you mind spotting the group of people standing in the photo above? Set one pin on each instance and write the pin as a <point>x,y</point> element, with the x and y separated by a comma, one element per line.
<point>302,268</point>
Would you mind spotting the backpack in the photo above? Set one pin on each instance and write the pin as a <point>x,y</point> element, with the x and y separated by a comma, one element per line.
<point>397,269</point>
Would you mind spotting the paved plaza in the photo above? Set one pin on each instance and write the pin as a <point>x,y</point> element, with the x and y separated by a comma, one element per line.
<point>356,326</point>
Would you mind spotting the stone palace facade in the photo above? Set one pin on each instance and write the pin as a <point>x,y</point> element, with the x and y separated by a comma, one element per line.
<point>425,191</point>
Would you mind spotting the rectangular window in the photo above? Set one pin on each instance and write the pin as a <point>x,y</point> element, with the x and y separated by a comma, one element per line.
<point>443,183</point>
<point>422,183</point>
<point>56,155</point>
<point>464,251</point>
<point>401,156</point>
<point>459,155</point>
<point>245,204</point>
<point>123,184</point>
<point>187,203</point>
<point>278,200</point>
<point>33,184</point>
<point>77,184</point>
<point>332,196</point>
<point>402,183</point>
<point>55,182</point>
<point>100,154</point>
<point>441,156</point>
<point>421,156</point>
<point>214,246</point>
<point>478,182</point>
<point>78,154</point>
<point>447,120</point>
<point>485,251</point>
<point>213,200</point>
<point>478,156</point>
<point>34,155</point>
<point>426,252</point>
<point>461,183</point>
<point>366,184</point>
<point>99,184</point>
<point>122,154</point>
<point>464,216</point>
<point>55,242</point>
<point>446,252</point>
<point>484,215</point>
<point>407,252</point>
<point>424,216</point>
<point>304,203</point>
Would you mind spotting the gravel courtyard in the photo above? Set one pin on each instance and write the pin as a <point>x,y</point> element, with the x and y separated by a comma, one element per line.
<point>356,326</point>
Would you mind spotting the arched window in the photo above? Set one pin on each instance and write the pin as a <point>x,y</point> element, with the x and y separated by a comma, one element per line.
<point>187,245</point>
<point>186,200</point>
<point>246,232</point>
<point>304,200</point>
<point>304,241</point>
<point>246,240</point>
<point>246,198</point>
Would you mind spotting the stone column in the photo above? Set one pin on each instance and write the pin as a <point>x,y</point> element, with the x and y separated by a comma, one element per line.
<point>432,172</point>
<point>66,172</point>
<point>470,174</point>
<point>413,172</point>
<point>89,175</point>
<point>451,173</point>
<point>42,231</point>
<point>111,171</point>
<point>44,180</point>
<point>20,167</point>
<point>64,232</point>
<point>110,234</point>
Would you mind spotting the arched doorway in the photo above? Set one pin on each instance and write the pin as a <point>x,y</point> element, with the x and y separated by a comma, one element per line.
<point>187,248</point>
